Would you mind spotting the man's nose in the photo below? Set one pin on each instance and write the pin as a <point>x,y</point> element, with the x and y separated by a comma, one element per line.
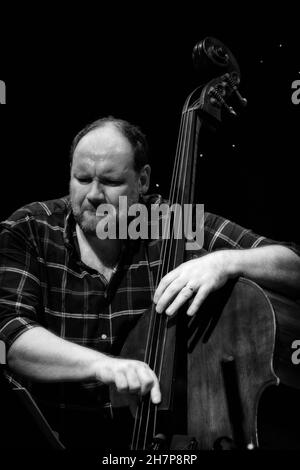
<point>96,194</point>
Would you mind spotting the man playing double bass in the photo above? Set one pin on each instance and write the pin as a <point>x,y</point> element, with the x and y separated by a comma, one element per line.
<point>68,298</point>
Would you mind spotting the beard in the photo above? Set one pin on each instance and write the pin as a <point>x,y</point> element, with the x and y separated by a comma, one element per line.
<point>86,219</point>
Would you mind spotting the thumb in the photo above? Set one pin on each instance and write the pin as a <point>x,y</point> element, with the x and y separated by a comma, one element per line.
<point>133,404</point>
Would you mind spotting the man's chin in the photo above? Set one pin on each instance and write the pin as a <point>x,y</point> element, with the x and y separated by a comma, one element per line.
<point>88,223</point>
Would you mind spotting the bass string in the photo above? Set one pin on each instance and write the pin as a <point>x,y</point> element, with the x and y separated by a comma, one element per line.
<point>179,161</point>
<point>173,252</point>
<point>143,411</point>
<point>158,327</point>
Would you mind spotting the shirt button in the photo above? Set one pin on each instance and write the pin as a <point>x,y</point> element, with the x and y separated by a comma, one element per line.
<point>103,336</point>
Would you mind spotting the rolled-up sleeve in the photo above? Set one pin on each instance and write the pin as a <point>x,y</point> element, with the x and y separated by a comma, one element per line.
<point>20,290</point>
<point>221,233</point>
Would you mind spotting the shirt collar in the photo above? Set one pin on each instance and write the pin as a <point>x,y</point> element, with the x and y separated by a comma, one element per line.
<point>69,234</point>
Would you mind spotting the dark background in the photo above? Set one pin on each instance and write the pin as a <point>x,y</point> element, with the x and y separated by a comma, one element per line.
<point>60,79</point>
<point>62,74</point>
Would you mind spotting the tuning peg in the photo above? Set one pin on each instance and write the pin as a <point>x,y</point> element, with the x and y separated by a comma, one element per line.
<point>230,109</point>
<point>242,100</point>
<point>217,97</point>
<point>233,84</point>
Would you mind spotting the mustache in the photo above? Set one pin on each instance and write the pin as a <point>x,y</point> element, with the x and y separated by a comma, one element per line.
<point>89,208</point>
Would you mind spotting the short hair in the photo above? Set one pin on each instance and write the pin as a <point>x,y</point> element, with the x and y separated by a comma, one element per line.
<point>132,132</point>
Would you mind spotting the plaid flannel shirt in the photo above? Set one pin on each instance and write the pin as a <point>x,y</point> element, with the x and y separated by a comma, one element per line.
<point>44,282</point>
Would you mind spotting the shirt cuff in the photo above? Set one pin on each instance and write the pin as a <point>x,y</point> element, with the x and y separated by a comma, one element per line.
<point>15,328</point>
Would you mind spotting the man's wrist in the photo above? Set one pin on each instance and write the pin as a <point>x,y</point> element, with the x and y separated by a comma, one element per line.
<point>232,262</point>
<point>100,367</point>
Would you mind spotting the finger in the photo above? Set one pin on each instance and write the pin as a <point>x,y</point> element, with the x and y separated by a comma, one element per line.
<point>150,383</point>
<point>155,391</point>
<point>121,382</point>
<point>133,404</point>
<point>164,283</point>
<point>146,379</point>
<point>169,294</point>
<point>201,295</point>
<point>134,384</point>
<point>184,295</point>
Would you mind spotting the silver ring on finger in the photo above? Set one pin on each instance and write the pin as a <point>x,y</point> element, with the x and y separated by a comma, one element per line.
<point>190,289</point>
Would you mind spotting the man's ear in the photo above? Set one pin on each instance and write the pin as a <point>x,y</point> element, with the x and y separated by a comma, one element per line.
<point>144,179</point>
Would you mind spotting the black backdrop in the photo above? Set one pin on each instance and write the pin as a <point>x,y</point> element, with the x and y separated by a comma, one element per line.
<point>57,83</point>
<point>62,74</point>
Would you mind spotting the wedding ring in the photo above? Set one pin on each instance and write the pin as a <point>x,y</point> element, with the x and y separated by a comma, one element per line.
<point>189,287</point>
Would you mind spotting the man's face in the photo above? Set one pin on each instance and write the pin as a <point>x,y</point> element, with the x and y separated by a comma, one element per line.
<point>102,171</point>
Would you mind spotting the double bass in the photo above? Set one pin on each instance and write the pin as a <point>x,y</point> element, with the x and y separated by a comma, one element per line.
<point>214,366</point>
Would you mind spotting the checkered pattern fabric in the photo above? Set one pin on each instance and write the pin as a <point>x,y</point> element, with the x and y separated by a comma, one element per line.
<point>44,282</point>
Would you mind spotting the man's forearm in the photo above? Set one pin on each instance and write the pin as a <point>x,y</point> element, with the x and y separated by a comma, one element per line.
<point>274,267</point>
<point>40,355</point>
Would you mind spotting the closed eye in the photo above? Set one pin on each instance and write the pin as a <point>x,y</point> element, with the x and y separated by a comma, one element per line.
<point>111,182</point>
<point>104,181</point>
<point>84,180</point>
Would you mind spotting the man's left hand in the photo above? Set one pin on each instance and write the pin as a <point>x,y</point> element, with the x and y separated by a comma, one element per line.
<point>196,278</point>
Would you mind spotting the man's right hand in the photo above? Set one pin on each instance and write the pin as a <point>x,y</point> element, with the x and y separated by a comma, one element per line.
<point>128,376</point>
<point>42,356</point>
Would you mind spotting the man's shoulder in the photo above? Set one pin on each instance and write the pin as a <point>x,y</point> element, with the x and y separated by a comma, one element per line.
<point>214,219</point>
<point>152,199</point>
<point>211,220</point>
<point>52,211</point>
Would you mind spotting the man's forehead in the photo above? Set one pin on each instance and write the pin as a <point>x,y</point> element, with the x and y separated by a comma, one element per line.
<point>104,140</point>
<point>104,166</point>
